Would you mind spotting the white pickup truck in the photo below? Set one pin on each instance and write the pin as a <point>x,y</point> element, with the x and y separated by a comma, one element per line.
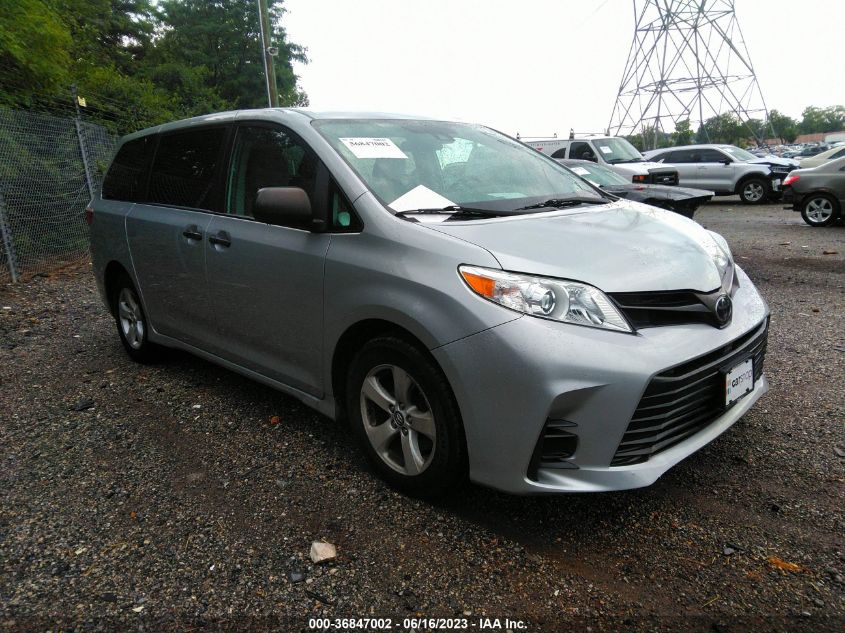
<point>614,152</point>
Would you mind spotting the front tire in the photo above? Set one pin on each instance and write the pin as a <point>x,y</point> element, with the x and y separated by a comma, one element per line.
<point>132,324</point>
<point>403,412</point>
<point>754,191</point>
<point>819,209</point>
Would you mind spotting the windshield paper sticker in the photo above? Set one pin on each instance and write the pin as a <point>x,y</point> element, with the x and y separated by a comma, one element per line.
<point>580,171</point>
<point>605,149</point>
<point>364,147</point>
<point>420,197</point>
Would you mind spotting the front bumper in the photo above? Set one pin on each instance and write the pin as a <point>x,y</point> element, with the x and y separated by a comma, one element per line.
<point>509,380</point>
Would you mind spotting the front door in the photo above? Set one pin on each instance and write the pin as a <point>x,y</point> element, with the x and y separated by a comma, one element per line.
<point>713,171</point>
<point>266,282</point>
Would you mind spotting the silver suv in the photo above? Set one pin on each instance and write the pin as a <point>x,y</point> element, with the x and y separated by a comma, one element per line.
<point>727,170</point>
<point>465,302</point>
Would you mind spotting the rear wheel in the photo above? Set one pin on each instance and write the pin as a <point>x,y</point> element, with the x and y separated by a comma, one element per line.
<point>132,325</point>
<point>754,191</point>
<point>819,209</point>
<point>404,414</point>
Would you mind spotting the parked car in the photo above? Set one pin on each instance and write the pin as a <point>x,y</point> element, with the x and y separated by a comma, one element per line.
<point>465,302</point>
<point>812,150</point>
<point>818,193</point>
<point>613,152</point>
<point>822,157</point>
<point>727,170</point>
<point>682,200</point>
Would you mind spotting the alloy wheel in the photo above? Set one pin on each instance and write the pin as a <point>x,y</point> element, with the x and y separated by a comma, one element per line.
<point>819,210</point>
<point>398,419</point>
<point>131,318</point>
<point>753,192</point>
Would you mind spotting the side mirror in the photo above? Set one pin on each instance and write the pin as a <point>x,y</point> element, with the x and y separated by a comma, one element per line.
<point>726,161</point>
<point>285,206</point>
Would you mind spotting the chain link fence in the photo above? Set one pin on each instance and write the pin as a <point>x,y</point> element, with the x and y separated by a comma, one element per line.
<point>50,166</point>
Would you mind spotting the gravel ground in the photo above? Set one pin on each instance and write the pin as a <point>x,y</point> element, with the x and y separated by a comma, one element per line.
<point>183,497</point>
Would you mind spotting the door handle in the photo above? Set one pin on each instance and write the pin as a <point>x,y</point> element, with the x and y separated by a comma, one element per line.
<point>192,233</point>
<point>220,239</point>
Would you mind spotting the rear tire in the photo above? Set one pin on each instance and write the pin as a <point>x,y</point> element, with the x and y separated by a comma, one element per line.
<point>131,320</point>
<point>754,190</point>
<point>404,414</point>
<point>820,209</point>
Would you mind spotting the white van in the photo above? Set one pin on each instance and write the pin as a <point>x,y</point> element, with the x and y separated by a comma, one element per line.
<point>613,151</point>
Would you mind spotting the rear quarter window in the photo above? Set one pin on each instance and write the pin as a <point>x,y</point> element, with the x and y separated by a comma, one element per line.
<point>127,175</point>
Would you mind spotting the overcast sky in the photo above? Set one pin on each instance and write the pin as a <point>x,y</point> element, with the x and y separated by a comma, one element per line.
<point>535,67</point>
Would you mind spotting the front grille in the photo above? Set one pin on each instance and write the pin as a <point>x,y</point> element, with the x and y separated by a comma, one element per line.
<point>683,400</point>
<point>663,177</point>
<point>655,309</point>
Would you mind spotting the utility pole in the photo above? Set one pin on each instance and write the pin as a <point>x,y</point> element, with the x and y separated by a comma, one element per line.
<point>267,54</point>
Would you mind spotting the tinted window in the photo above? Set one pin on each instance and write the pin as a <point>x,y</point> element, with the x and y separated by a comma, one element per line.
<point>682,156</point>
<point>582,151</point>
<point>561,153</point>
<point>267,157</point>
<point>657,158</point>
<point>184,172</point>
<point>126,176</point>
<point>711,156</point>
<point>838,154</point>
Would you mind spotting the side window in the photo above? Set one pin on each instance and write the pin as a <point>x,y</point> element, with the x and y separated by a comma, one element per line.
<point>582,151</point>
<point>658,158</point>
<point>682,156</point>
<point>711,156</point>
<point>267,157</point>
<point>838,154</point>
<point>127,174</point>
<point>343,218</point>
<point>185,168</point>
<point>561,153</point>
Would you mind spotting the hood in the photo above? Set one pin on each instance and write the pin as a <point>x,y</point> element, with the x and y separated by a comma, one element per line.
<point>620,247</point>
<point>774,160</point>
<point>660,192</point>
<point>640,168</point>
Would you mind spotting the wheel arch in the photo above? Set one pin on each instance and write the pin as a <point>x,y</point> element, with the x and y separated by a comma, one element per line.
<point>754,175</point>
<point>354,338</point>
<point>113,272</point>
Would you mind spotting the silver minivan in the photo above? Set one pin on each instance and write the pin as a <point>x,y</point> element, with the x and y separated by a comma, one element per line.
<point>469,305</point>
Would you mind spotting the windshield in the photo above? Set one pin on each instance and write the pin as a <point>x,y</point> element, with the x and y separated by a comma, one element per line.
<point>738,153</point>
<point>617,150</point>
<point>411,165</point>
<point>597,174</point>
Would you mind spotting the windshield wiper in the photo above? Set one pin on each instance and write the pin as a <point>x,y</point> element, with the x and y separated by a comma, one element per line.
<point>560,203</point>
<point>452,211</point>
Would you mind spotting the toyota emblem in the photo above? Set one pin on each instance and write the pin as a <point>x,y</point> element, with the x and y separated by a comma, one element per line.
<point>723,309</point>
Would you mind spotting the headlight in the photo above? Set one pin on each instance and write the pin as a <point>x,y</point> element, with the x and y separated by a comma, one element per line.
<point>557,299</point>
<point>723,258</point>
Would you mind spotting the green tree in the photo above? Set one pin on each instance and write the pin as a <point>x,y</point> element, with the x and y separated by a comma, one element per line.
<point>222,38</point>
<point>683,133</point>
<point>815,119</point>
<point>786,128</point>
<point>723,128</point>
<point>34,51</point>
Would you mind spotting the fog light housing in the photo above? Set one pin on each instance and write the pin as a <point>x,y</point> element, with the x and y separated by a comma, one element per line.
<point>556,445</point>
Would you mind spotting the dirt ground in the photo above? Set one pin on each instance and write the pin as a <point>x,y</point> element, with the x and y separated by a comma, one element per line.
<point>181,496</point>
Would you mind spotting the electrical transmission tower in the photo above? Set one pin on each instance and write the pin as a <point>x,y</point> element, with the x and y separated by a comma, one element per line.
<point>688,61</point>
